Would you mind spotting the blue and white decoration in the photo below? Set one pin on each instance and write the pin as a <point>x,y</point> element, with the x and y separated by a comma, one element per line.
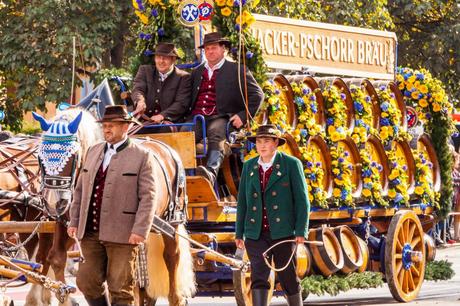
<point>189,13</point>
<point>59,142</point>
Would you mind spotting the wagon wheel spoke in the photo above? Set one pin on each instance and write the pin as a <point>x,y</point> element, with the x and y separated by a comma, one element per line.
<point>412,228</point>
<point>401,276</point>
<point>406,230</point>
<point>411,284</point>
<point>398,256</point>
<point>416,241</point>
<point>399,246</point>
<point>415,270</point>
<point>401,237</point>
<point>405,286</point>
<point>398,267</point>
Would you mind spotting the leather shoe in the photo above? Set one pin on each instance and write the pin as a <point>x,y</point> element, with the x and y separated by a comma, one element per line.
<point>204,172</point>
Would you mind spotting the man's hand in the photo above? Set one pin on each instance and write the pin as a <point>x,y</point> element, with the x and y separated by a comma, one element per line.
<point>236,121</point>
<point>239,243</point>
<point>157,118</point>
<point>72,232</point>
<point>140,108</point>
<point>299,240</point>
<point>135,239</point>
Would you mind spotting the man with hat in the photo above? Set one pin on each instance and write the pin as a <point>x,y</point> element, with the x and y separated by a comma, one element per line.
<point>112,210</point>
<point>273,206</point>
<point>162,91</point>
<point>219,96</point>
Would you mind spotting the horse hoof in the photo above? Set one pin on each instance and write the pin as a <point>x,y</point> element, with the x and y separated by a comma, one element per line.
<point>74,302</point>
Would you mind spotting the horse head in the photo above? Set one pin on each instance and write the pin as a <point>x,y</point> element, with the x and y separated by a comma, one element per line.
<point>60,155</point>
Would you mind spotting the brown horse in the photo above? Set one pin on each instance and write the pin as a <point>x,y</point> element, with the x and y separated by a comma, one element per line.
<point>174,262</point>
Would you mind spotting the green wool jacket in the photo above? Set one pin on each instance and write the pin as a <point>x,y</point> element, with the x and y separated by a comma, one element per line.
<point>286,200</point>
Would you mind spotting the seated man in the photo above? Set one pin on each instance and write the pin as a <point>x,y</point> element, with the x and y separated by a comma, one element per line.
<point>162,91</point>
<point>216,95</point>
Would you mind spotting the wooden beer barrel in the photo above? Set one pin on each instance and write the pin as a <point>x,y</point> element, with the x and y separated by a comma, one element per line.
<point>352,256</point>
<point>303,261</point>
<point>399,101</point>
<point>320,116</point>
<point>369,90</point>
<point>287,99</point>
<point>405,157</point>
<point>354,158</point>
<point>430,247</point>
<point>426,147</point>
<point>343,88</point>
<point>290,147</point>
<point>365,255</point>
<point>377,154</point>
<point>318,148</point>
<point>328,258</point>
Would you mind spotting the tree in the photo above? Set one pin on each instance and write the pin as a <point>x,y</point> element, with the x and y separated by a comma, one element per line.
<point>428,35</point>
<point>36,47</point>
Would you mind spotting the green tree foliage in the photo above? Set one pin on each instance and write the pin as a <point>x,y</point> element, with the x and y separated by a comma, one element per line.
<point>36,47</point>
<point>428,36</point>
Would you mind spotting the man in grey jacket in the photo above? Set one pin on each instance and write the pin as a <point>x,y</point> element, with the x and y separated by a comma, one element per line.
<point>112,211</point>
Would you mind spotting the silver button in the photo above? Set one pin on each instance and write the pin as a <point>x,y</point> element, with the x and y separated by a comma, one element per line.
<point>94,228</point>
<point>275,207</point>
<point>198,87</point>
<point>277,219</point>
<point>252,221</point>
<point>94,204</point>
<point>97,187</point>
<point>254,208</point>
<point>94,212</point>
<point>255,195</point>
<point>274,193</point>
<point>158,90</point>
<point>209,86</point>
<point>206,96</point>
<point>94,220</point>
<point>95,195</point>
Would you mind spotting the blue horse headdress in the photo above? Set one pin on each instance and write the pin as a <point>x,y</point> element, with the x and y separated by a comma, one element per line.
<point>59,142</point>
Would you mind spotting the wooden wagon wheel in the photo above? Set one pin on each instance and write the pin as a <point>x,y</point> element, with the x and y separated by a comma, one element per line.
<point>242,284</point>
<point>405,256</point>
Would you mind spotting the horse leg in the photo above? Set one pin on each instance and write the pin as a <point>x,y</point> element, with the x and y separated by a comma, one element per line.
<point>35,296</point>
<point>57,256</point>
<point>171,258</point>
<point>142,299</point>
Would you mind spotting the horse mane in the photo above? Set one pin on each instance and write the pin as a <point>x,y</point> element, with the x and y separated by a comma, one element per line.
<point>89,131</point>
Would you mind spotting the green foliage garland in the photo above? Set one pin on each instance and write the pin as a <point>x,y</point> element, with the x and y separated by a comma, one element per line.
<point>333,285</point>
<point>439,270</point>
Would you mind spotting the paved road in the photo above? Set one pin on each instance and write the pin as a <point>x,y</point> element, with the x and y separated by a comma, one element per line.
<point>444,293</point>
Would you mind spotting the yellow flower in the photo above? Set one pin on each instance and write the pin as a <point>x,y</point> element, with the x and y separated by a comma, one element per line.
<point>366,193</point>
<point>423,103</point>
<point>229,2</point>
<point>335,137</point>
<point>336,171</point>
<point>411,79</point>
<point>383,134</point>
<point>423,89</point>
<point>436,107</point>
<point>394,174</point>
<point>337,193</point>
<point>135,5</point>
<point>144,18</point>
<point>414,95</point>
<point>331,129</point>
<point>221,2</point>
<point>338,182</point>
<point>392,193</point>
<point>419,190</point>
<point>226,11</point>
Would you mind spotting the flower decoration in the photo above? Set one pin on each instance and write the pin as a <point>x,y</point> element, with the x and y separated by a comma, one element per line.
<point>398,179</point>
<point>424,177</point>
<point>342,173</point>
<point>336,113</point>
<point>390,122</point>
<point>275,105</point>
<point>422,91</point>
<point>306,109</point>
<point>314,175</point>
<point>363,115</point>
<point>371,173</point>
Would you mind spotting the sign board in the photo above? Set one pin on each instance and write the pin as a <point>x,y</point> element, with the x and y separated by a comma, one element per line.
<point>325,48</point>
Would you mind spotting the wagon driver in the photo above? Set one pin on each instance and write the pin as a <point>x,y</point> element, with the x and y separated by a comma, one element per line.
<point>272,206</point>
<point>115,187</point>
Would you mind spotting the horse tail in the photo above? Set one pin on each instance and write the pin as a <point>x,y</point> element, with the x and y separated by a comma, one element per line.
<point>156,268</point>
<point>186,276</point>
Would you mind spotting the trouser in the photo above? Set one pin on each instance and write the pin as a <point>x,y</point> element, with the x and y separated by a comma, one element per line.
<point>216,127</point>
<point>260,272</point>
<point>107,261</point>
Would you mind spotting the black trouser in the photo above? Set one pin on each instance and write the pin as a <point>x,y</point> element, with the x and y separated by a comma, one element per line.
<point>280,255</point>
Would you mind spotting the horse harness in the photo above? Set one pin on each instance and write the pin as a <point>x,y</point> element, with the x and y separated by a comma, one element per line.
<point>176,212</point>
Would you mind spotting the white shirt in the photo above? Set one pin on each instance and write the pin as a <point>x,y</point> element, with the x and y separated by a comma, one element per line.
<point>265,166</point>
<point>216,66</point>
<point>111,151</point>
<point>163,76</point>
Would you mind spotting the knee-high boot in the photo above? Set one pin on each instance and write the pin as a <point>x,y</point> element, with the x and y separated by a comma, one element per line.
<point>259,297</point>
<point>215,159</point>
<point>295,300</point>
